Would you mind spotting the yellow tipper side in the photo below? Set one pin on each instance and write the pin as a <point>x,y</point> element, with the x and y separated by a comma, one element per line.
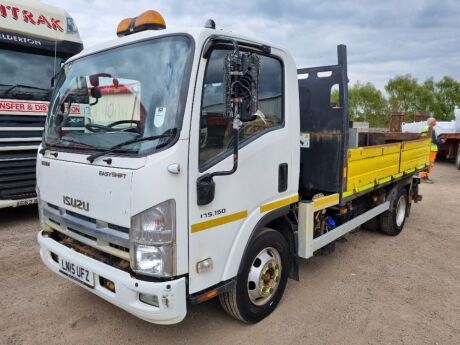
<point>415,154</point>
<point>373,165</point>
<point>367,165</point>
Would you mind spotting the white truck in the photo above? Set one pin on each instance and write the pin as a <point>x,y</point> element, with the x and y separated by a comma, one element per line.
<point>221,168</point>
<point>35,39</point>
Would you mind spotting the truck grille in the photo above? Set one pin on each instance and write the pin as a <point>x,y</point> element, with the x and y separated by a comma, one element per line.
<point>20,136</point>
<point>89,251</point>
<point>101,236</point>
<point>17,174</point>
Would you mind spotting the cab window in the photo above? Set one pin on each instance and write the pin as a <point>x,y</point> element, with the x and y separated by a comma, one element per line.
<point>216,131</point>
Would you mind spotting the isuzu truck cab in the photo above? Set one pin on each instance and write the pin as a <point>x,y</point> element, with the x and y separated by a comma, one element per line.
<point>208,165</point>
<point>35,38</point>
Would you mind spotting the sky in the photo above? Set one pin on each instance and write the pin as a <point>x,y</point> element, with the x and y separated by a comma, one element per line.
<point>383,38</point>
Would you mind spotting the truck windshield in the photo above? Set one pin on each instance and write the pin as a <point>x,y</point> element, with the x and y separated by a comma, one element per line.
<point>26,76</point>
<point>120,95</point>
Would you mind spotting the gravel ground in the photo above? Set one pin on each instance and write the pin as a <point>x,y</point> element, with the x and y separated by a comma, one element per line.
<point>373,289</point>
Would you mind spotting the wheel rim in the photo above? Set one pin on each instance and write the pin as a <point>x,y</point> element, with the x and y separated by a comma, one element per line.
<point>401,210</point>
<point>264,276</point>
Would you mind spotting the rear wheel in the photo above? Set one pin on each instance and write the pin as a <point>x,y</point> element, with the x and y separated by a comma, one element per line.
<point>392,221</point>
<point>262,279</point>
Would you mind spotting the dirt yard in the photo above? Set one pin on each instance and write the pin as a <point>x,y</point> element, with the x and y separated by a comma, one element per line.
<point>374,289</point>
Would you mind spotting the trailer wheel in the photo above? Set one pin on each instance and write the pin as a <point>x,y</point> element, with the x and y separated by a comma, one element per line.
<point>392,221</point>
<point>259,286</point>
<point>457,159</point>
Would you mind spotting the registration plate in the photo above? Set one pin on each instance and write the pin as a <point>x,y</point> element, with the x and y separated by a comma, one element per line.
<point>76,272</point>
<point>26,202</point>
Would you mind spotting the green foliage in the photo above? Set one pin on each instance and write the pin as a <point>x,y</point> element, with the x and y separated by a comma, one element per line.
<point>404,94</point>
<point>366,103</point>
<point>446,98</point>
<point>438,98</point>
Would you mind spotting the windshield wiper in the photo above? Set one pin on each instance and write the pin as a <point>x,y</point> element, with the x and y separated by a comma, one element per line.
<point>169,133</point>
<point>12,87</point>
<point>47,147</point>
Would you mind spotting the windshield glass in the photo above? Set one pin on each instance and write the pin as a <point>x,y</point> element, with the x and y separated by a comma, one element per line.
<point>26,76</point>
<point>130,92</point>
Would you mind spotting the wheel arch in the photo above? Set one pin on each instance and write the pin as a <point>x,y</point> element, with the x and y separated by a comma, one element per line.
<point>276,220</point>
<point>393,190</point>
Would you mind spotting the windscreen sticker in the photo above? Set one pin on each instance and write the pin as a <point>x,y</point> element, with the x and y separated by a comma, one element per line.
<point>85,110</point>
<point>305,140</point>
<point>160,113</point>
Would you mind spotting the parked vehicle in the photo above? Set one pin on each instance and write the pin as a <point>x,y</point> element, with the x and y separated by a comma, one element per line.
<point>212,179</point>
<point>450,149</point>
<point>35,39</point>
<point>447,131</point>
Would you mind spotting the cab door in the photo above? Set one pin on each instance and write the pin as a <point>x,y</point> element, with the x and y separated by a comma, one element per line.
<point>262,175</point>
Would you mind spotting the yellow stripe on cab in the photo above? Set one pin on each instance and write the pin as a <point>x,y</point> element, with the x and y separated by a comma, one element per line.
<point>279,203</point>
<point>219,221</point>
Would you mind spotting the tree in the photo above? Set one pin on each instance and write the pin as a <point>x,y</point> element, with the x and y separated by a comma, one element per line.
<point>366,103</point>
<point>438,98</point>
<point>446,98</point>
<point>404,94</point>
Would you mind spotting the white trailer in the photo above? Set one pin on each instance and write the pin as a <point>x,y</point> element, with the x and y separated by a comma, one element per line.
<point>35,39</point>
<point>220,181</point>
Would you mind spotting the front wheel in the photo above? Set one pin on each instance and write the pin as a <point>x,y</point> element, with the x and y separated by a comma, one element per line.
<point>259,286</point>
<point>392,221</point>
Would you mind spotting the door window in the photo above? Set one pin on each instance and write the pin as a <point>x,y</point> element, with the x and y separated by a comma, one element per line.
<point>215,130</point>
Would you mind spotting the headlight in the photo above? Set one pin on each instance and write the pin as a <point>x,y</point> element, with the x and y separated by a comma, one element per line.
<point>71,26</point>
<point>153,240</point>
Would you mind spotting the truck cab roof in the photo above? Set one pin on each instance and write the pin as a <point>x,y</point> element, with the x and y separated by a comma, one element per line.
<point>199,35</point>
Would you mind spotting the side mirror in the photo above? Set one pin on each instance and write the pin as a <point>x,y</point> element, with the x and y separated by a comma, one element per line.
<point>241,79</point>
<point>94,78</point>
<point>206,188</point>
<point>95,93</point>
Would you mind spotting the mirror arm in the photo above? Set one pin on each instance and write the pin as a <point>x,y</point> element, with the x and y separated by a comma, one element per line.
<point>205,183</point>
<point>235,136</point>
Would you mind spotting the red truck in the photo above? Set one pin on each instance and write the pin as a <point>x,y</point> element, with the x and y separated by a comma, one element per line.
<point>451,147</point>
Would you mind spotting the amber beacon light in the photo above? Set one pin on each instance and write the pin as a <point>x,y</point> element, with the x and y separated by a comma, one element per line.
<point>149,20</point>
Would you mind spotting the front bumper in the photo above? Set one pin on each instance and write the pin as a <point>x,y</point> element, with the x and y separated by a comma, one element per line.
<point>171,294</point>
<point>16,203</point>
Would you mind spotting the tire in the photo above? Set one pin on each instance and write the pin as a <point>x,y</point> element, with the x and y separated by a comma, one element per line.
<point>372,225</point>
<point>457,159</point>
<point>250,300</point>
<point>392,221</point>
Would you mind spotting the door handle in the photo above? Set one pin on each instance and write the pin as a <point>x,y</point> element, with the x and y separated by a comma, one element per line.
<point>282,177</point>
